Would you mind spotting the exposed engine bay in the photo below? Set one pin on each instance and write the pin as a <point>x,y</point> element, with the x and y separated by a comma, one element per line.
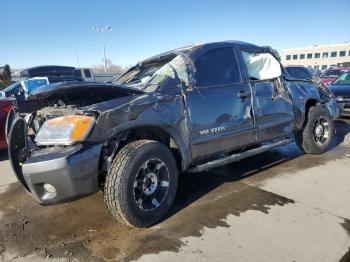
<point>72,99</point>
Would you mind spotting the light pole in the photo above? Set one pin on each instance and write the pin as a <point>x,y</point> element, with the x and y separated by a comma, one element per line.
<point>102,31</point>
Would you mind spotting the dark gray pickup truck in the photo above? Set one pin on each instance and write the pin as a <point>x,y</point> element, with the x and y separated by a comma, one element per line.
<point>180,112</point>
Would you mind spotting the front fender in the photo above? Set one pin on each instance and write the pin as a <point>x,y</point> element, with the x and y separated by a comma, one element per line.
<point>302,92</point>
<point>167,114</point>
<point>305,94</point>
<point>332,108</point>
<point>175,131</point>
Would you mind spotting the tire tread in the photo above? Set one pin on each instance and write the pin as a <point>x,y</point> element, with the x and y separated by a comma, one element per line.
<point>304,138</point>
<point>115,189</point>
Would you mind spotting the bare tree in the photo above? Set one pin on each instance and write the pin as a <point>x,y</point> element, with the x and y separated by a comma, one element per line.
<point>111,68</point>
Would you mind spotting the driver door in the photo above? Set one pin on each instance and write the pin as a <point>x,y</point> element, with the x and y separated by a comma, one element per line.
<point>219,106</point>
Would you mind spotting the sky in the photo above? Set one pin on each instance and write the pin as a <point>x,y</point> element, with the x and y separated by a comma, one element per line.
<point>43,32</point>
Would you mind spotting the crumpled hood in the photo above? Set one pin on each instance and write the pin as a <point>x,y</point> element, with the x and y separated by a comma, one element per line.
<point>87,95</point>
<point>81,89</point>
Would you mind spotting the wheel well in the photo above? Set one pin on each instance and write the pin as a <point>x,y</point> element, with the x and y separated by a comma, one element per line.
<point>309,103</point>
<point>149,133</point>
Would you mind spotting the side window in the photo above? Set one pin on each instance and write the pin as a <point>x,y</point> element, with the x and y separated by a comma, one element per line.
<point>261,66</point>
<point>217,67</point>
<point>87,73</point>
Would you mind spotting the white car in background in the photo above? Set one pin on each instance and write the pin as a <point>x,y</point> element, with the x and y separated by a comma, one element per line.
<point>89,76</point>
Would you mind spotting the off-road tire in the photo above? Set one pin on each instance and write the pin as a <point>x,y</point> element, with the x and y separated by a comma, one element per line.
<point>305,138</point>
<point>119,185</point>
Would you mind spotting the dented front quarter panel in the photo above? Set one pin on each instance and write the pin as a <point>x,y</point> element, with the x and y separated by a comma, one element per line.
<point>158,110</point>
<point>333,108</point>
<point>301,92</point>
<point>304,91</point>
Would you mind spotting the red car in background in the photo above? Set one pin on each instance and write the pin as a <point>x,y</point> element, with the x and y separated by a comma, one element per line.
<point>6,104</point>
<point>332,74</point>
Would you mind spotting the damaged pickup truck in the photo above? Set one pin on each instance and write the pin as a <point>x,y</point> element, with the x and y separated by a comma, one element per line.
<point>183,111</point>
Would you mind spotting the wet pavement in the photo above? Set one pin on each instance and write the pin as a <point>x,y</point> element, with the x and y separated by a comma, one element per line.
<point>278,206</point>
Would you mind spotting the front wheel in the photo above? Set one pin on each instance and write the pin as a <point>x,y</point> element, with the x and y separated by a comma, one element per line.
<point>318,133</point>
<point>141,184</point>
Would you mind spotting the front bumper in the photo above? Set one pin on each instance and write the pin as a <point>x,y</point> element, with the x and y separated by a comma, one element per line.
<point>55,174</point>
<point>72,172</point>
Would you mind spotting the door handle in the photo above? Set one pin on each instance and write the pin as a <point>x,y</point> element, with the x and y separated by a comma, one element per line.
<point>243,94</point>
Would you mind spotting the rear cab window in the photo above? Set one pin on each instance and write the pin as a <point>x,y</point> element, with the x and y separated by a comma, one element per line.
<point>217,67</point>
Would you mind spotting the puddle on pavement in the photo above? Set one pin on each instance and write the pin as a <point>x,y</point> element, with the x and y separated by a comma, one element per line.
<point>346,257</point>
<point>84,229</point>
<point>346,226</point>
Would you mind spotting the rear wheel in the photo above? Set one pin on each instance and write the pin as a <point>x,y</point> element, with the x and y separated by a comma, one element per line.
<point>141,184</point>
<point>318,132</point>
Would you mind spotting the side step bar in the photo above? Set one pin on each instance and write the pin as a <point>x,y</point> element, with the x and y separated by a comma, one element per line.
<point>239,156</point>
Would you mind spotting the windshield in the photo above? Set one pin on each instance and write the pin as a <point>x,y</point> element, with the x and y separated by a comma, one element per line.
<point>142,72</point>
<point>332,73</point>
<point>343,80</point>
<point>148,76</point>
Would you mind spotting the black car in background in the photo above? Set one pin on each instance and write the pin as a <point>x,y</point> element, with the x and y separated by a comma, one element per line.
<point>341,90</point>
<point>52,71</point>
<point>37,76</point>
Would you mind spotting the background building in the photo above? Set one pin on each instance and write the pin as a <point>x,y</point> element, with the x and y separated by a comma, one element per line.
<point>318,56</point>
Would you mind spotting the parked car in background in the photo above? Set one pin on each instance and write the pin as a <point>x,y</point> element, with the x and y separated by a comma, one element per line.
<point>186,110</point>
<point>21,89</point>
<point>299,72</point>
<point>332,74</point>
<point>341,90</point>
<point>50,70</point>
<point>317,72</point>
<point>6,104</point>
<point>89,76</point>
<point>38,76</point>
<point>85,73</point>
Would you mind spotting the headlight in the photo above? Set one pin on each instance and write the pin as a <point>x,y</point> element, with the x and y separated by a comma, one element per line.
<point>65,130</point>
<point>339,98</point>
